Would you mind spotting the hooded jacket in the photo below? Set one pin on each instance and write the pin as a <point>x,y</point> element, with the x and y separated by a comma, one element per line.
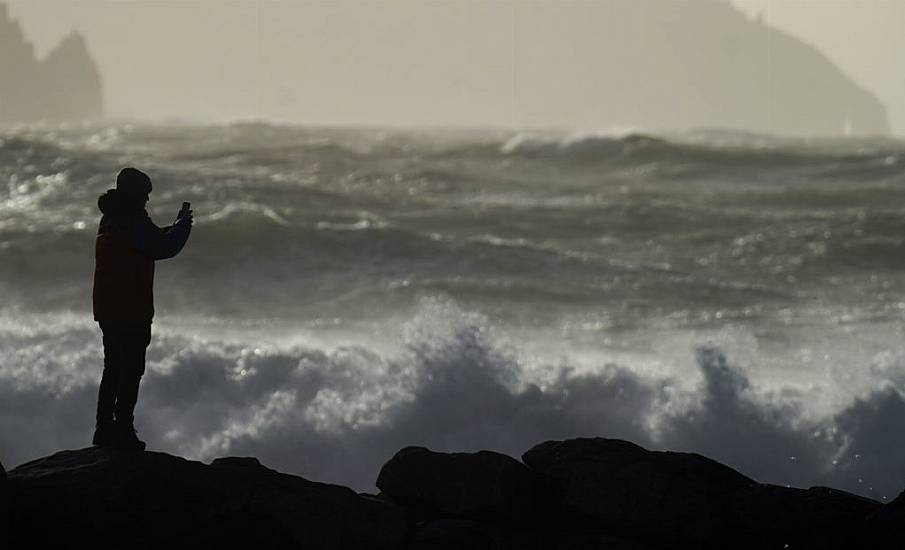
<point>127,245</point>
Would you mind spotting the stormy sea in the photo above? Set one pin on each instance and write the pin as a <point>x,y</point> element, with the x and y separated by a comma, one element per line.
<point>349,291</point>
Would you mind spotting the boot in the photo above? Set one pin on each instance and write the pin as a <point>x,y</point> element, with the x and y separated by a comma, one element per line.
<point>126,438</point>
<point>104,435</point>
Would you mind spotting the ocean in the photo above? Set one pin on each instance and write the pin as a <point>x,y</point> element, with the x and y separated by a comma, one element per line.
<point>348,291</point>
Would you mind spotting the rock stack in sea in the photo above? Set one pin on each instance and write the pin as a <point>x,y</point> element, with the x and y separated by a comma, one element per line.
<point>565,495</point>
<point>62,86</point>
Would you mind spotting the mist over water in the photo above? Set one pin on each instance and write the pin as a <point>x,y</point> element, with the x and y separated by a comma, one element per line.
<point>346,292</point>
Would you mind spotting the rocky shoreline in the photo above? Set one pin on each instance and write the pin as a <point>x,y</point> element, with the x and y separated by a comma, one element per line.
<point>565,495</point>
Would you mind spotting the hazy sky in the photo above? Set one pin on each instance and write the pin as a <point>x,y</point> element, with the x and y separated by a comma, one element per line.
<point>318,61</point>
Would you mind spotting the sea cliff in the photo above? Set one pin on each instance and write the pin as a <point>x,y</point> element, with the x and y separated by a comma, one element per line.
<point>673,65</point>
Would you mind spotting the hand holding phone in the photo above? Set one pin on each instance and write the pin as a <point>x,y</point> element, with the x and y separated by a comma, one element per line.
<point>185,212</point>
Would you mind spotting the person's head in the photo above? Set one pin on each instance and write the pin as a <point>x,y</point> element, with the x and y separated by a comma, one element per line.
<point>134,182</point>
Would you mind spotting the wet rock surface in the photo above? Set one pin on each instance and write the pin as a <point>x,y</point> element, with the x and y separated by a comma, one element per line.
<point>664,496</point>
<point>885,527</point>
<point>482,485</point>
<point>770,516</point>
<point>108,498</point>
<point>566,495</point>
<point>4,507</point>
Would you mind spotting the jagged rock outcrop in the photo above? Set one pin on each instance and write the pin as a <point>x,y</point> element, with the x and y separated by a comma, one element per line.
<point>482,485</point>
<point>769,516</point>
<point>64,86</point>
<point>106,498</point>
<point>628,489</point>
<point>578,494</point>
<point>885,528</point>
<point>4,508</point>
<point>455,534</point>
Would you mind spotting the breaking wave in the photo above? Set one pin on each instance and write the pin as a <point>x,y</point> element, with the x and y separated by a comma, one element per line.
<point>336,413</point>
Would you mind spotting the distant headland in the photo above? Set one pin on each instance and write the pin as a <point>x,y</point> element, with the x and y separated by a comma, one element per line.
<point>676,65</point>
<point>64,86</point>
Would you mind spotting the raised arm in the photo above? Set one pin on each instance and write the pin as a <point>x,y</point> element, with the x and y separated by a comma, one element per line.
<point>160,243</point>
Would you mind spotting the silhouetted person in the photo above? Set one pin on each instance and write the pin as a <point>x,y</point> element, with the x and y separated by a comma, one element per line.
<point>127,245</point>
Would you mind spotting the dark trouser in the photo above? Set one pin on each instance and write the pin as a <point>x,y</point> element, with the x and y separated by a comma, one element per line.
<point>124,365</point>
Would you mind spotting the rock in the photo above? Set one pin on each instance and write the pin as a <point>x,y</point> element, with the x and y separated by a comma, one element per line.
<point>64,86</point>
<point>237,463</point>
<point>580,494</point>
<point>4,509</point>
<point>623,489</point>
<point>103,497</point>
<point>482,485</point>
<point>885,528</point>
<point>769,516</point>
<point>461,534</point>
<point>599,542</point>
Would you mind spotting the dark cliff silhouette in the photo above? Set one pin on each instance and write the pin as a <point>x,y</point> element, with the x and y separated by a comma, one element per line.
<point>662,64</point>
<point>64,86</point>
<point>564,495</point>
<point>666,64</point>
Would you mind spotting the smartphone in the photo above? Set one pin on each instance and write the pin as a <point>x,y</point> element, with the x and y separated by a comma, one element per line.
<point>186,206</point>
